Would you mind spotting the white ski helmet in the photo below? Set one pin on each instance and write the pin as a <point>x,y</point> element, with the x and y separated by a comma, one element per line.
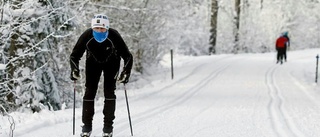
<point>100,20</point>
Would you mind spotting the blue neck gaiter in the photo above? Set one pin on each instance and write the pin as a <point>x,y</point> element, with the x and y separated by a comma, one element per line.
<point>100,36</point>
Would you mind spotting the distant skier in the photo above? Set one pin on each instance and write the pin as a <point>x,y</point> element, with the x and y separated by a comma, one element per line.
<point>104,48</point>
<point>282,44</point>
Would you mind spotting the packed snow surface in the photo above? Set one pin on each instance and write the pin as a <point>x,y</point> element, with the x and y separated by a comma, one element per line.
<point>244,95</point>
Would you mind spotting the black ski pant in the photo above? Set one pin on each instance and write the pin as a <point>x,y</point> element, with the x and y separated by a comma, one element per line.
<point>93,73</point>
<point>281,54</point>
<point>285,53</point>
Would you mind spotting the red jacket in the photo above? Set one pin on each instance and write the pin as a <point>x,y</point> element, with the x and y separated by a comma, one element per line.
<point>281,42</point>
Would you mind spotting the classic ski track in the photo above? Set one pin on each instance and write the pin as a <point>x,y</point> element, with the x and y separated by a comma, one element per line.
<point>138,118</point>
<point>209,106</point>
<point>279,120</point>
<point>181,79</point>
<point>188,94</point>
<point>96,131</point>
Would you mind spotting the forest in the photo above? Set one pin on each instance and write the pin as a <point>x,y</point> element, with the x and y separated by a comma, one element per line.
<point>37,37</point>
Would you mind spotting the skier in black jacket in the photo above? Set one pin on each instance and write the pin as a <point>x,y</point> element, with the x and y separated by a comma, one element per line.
<point>104,48</point>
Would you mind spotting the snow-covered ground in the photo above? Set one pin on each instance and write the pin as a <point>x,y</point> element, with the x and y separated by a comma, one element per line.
<point>245,95</point>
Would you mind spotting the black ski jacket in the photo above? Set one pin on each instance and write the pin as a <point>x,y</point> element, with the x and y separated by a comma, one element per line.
<point>107,52</point>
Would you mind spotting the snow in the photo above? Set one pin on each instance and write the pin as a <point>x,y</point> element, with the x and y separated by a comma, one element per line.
<point>2,66</point>
<point>244,95</point>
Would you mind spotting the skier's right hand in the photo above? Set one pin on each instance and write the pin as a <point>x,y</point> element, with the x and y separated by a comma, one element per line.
<point>124,77</point>
<point>75,75</point>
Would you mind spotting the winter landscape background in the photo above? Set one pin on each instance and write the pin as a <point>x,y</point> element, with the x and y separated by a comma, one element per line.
<point>243,95</point>
<point>38,36</point>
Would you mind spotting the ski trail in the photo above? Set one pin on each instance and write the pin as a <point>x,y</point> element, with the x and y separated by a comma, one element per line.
<point>123,124</point>
<point>165,105</point>
<point>177,101</point>
<point>279,121</point>
<point>184,78</point>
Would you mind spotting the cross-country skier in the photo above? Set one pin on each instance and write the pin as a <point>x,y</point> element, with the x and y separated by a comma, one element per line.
<point>282,43</point>
<point>104,49</point>
<point>285,34</point>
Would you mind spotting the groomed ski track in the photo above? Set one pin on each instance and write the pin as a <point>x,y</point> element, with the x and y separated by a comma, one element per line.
<point>245,95</point>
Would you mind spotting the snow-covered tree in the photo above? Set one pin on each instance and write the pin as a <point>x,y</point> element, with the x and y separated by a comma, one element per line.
<point>261,22</point>
<point>30,46</point>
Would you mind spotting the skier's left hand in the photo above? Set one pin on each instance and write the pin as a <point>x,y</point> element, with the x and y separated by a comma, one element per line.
<point>124,77</point>
<point>75,75</point>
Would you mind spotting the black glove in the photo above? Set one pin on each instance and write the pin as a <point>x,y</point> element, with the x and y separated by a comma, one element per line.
<point>124,77</point>
<point>75,75</point>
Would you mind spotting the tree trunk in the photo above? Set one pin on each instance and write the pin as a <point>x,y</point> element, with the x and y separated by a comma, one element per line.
<point>139,55</point>
<point>237,26</point>
<point>11,67</point>
<point>2,9</point>
<point>213,31</point>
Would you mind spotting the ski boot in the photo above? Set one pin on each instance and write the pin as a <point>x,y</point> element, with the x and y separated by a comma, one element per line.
<point>107,131</point>
<point>85,134</point>
<point>107,134</point>
<point>86,131</point>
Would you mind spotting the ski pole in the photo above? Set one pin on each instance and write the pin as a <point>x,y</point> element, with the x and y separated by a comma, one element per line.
<point>317,68</point>
<point>74,106</point>
<point>125,92</point>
